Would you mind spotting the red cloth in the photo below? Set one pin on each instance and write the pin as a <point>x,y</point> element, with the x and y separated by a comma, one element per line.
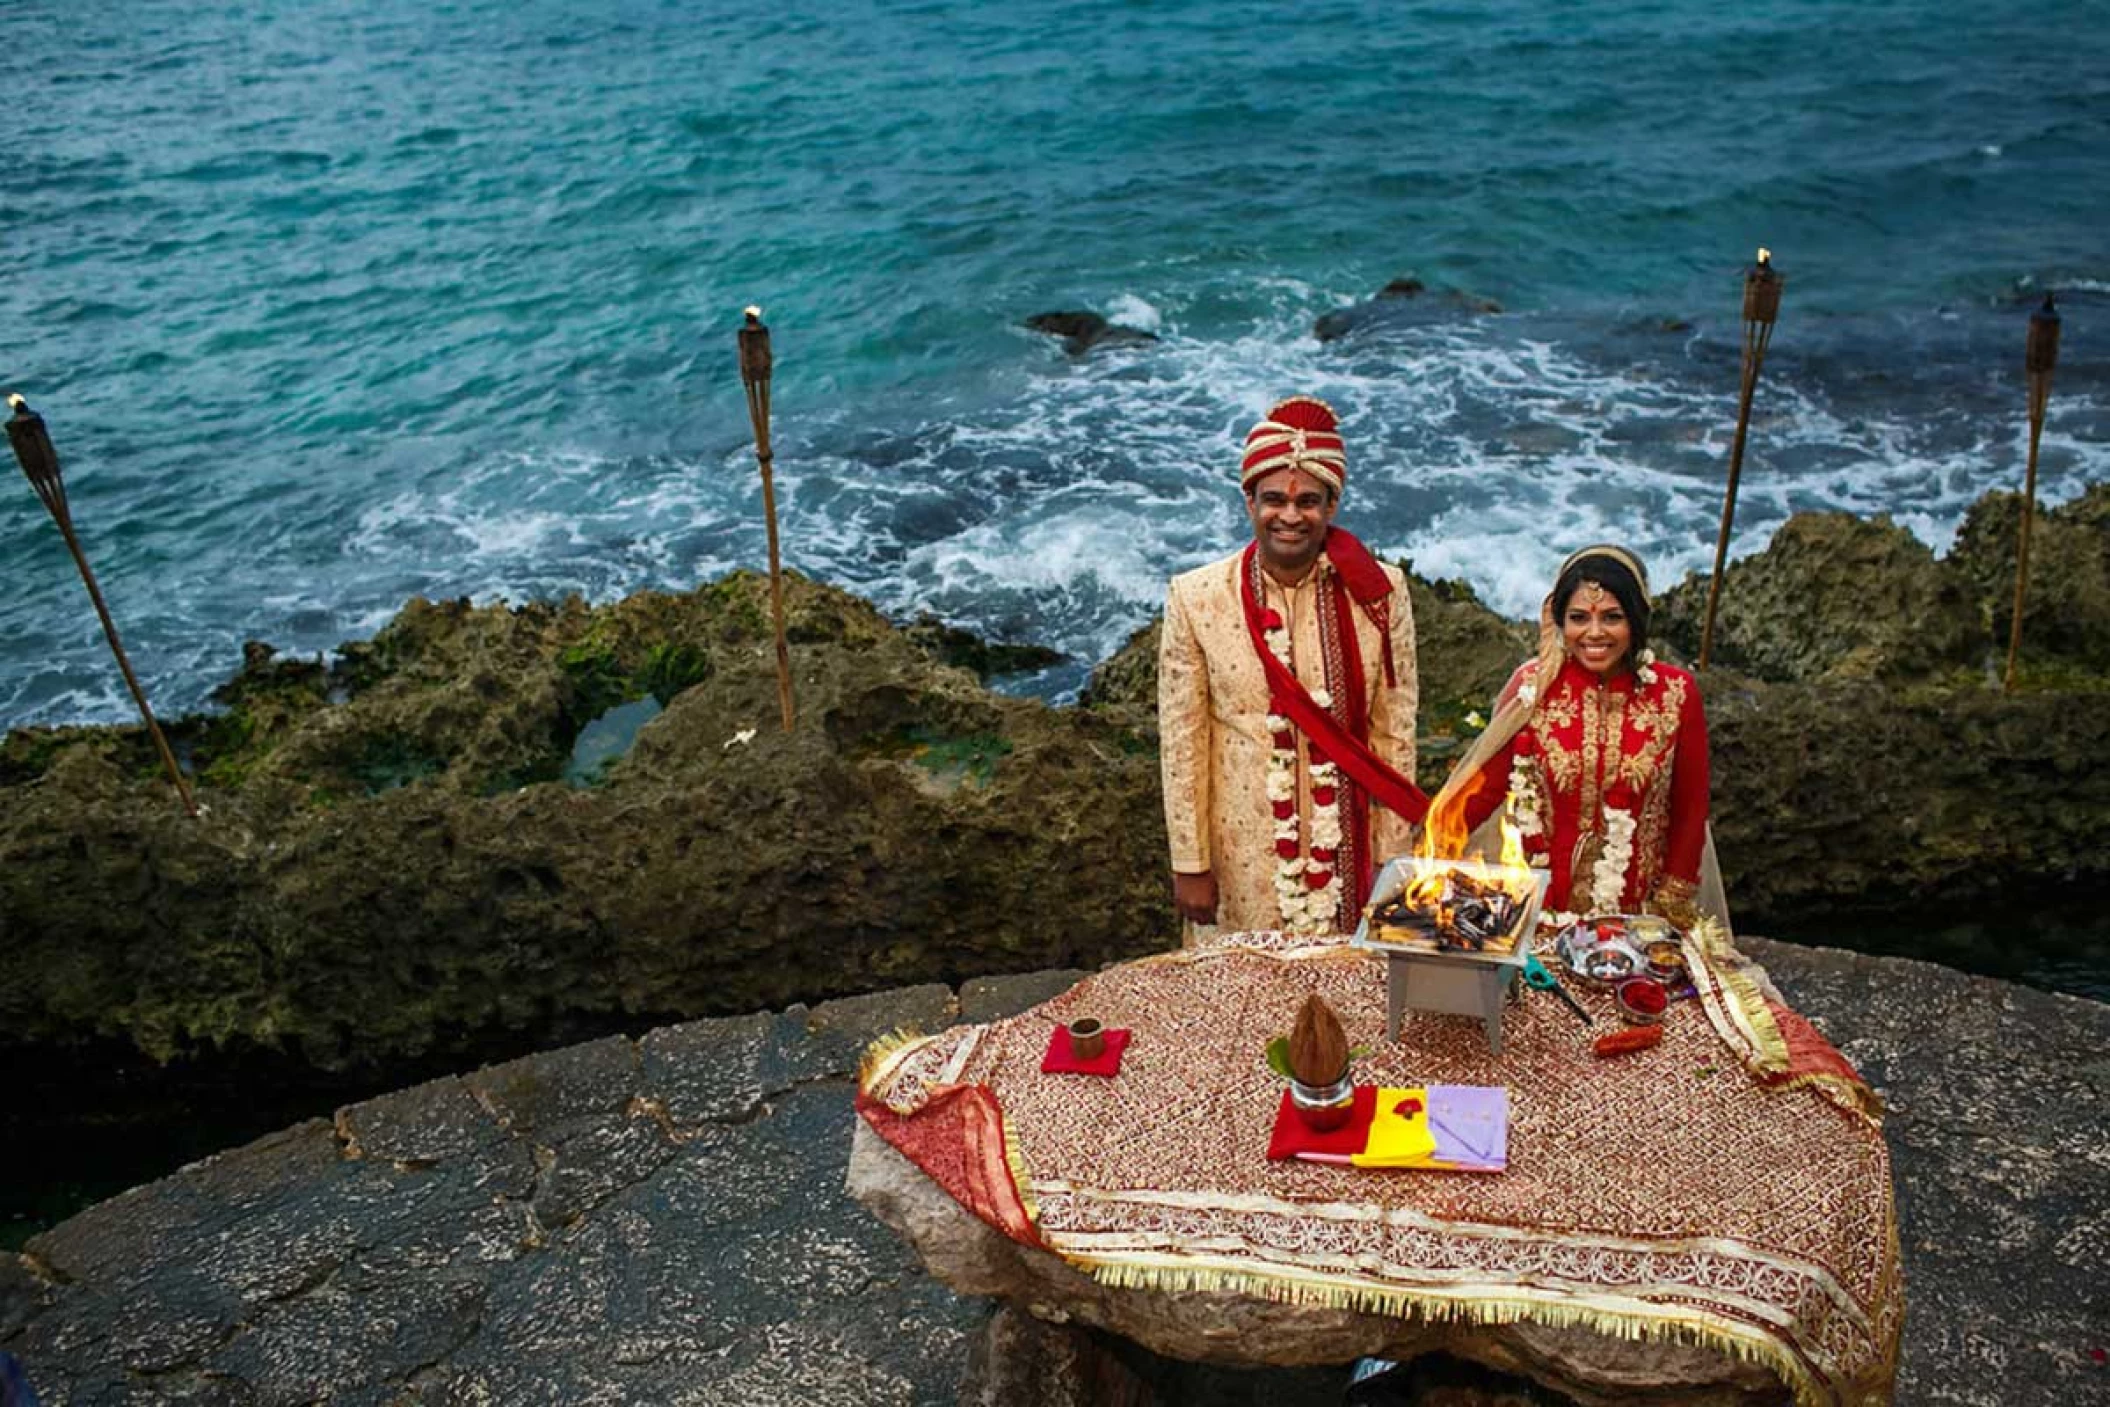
<point>1809,1053</point>
<point>958,1138</point>
<point>1061,1060</point>
<point>1293,1136</point>
<point>1364,767</point>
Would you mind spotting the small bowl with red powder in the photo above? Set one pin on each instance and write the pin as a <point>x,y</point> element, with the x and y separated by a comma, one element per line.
<point>1641,1000</point>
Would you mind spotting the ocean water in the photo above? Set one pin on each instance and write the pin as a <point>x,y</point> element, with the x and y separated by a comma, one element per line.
<point>329,305</point>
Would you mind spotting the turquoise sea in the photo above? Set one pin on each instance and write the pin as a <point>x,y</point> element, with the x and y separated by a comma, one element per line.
<point>333,304</point>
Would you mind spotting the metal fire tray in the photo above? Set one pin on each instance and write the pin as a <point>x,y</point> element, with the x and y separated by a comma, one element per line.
<point>1449,981</point>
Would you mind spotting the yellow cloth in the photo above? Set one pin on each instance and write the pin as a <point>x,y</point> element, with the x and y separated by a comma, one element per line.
<point>1399,1131</point>
<point>1214,740</point>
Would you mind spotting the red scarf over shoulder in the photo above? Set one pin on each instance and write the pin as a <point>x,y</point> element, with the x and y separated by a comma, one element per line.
<point>1342,733</point>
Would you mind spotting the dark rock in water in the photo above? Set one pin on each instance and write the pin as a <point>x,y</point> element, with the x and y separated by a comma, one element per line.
<point>1402,302</point>
<point>1081,324</point>
<point>1082,331</point>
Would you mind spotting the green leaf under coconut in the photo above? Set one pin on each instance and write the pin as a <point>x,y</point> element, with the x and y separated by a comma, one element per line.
<point>1278,1056</point>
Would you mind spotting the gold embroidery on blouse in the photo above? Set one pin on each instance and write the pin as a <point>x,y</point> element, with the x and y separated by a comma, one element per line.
<point>1650,769</point>
<point>1562,764</point>
<point>1604,718</point>
<point>1655,717</point>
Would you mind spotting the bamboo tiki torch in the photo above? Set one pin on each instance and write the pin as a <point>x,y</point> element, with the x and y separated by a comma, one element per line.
<point>755,363</point>
<point>40,463</point>
<point>2039,358</point>
<point>1761,306</point>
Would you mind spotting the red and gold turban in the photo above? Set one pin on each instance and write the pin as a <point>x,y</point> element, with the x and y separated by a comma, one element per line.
<point>1299,433</point>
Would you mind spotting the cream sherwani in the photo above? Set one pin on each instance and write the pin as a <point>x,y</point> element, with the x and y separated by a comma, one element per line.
<point>1213,733</point>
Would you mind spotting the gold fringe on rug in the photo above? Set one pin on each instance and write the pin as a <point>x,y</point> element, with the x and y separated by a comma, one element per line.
<point>1742,1344</point>
<point>883,1054</point>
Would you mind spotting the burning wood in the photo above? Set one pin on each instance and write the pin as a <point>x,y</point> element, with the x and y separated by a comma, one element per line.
<point>1454,909</point>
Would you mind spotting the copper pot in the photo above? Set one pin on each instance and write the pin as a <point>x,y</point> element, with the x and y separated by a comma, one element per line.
<point>1087,1038</point>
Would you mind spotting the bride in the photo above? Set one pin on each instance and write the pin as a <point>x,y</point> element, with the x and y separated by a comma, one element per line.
<point>1601,751</point>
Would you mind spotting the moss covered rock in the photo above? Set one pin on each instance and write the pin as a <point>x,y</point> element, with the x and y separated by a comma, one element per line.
<point>386,873</point>
<point>1831,596</point>
<point>2066,611</point>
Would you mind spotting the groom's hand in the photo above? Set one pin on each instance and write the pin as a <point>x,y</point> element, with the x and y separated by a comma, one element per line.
<point>1194,895</point>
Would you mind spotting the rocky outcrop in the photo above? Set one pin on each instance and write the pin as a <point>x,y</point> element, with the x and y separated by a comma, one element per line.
<point>661,1219</point>
<point>379,876</point>
<point>389,867</point>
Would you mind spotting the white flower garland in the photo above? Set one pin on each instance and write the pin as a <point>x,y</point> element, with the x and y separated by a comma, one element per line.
<point>1306,908</point>
<point>1608,879</point>
<point>1526,810</point>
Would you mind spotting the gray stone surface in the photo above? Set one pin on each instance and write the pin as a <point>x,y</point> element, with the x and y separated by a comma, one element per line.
<point>651,1221</point>
<point>664,1221</point>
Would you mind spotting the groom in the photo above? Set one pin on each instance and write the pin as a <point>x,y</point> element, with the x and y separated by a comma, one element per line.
<point>1286,693</point>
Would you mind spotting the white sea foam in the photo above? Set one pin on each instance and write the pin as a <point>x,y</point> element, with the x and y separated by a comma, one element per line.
<point>1055,508</point>
<point>1131,311</point>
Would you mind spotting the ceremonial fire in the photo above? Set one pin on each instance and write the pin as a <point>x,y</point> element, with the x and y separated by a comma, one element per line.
<point>1456,904</point>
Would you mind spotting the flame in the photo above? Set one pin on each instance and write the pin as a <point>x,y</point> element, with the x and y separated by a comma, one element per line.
<point>1444,837</point>
<point>1513,857</point>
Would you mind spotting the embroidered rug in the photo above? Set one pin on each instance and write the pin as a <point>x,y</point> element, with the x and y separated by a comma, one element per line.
<point>1720,1188</point>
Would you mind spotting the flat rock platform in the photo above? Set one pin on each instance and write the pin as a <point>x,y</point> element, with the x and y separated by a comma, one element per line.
<point>662,1220</point>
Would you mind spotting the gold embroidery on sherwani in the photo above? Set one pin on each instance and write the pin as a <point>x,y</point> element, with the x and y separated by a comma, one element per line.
<point>1214,741</point>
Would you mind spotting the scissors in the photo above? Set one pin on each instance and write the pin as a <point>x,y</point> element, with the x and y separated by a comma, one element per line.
<point>1536,975</point>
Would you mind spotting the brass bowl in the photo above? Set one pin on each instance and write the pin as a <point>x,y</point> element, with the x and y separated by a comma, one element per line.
<point>1087,1038</point>
<point>1666,961</point>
